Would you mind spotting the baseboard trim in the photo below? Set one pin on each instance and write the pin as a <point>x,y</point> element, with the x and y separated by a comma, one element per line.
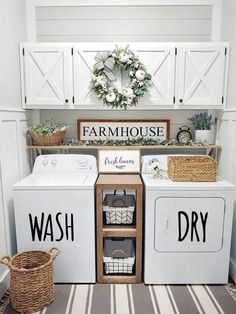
<point>232,270</point>
<point>8,109</point>
<point>4,282</point>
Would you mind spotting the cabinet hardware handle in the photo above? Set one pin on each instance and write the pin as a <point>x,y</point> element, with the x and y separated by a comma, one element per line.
<point>181,100</point>
<point>66,100</point>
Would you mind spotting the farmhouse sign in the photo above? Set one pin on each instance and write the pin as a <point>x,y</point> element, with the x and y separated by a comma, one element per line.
<point>122,129</point>
<point>119,161</point>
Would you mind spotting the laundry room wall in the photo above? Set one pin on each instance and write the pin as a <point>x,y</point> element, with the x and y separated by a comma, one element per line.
<point>14,160</point>
<point>122,24</point>
<point>227,120</point>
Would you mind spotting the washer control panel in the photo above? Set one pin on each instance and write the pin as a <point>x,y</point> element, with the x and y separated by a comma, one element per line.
<point>65,163</point>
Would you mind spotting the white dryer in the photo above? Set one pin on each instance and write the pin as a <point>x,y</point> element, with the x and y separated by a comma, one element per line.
<point>187,229</point>
<point>54,206</point>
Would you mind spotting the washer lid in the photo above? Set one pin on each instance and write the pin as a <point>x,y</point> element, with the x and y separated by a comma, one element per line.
<point>167,184</point>
<point>56,181</point>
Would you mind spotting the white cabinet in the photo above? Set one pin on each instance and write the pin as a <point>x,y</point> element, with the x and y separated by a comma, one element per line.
<point>84,55</point>
<point>159,60</point>
<point>191,75</point>
<point>201,75</point>
<point>47,76</point>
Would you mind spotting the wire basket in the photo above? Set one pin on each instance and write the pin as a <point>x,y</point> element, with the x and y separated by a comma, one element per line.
<point>32,279</point>
<point>119,209</point>
<point>192,168</point>
<point>53,139</point>
<point>119,256</point>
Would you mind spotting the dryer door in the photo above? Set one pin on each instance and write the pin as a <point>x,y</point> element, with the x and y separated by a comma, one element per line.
<point>189,224</point>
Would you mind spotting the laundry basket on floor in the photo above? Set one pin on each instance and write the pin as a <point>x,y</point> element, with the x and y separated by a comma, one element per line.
<point>32,283</point>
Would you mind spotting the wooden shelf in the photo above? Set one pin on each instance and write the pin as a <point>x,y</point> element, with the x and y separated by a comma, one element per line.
<point>119,231</point>
<point>119,279</point>
<point>112,182</point>
<point>142,147</point>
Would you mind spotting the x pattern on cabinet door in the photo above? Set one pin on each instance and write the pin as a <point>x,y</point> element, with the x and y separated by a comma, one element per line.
<point>201,82</point>
<point>47,75</point>
<point>84,60</point>
<point>160,63</point>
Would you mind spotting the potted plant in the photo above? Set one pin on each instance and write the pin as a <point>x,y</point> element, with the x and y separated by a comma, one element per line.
<point>47,133</point>
<point>202,123</point>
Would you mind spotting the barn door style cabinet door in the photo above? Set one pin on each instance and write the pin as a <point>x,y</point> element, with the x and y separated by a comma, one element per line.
<point>201,75</point>
<point>159,60</point>
<point>47,76</point>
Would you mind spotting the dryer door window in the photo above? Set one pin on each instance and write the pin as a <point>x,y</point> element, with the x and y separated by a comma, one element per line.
<point>189,224</point>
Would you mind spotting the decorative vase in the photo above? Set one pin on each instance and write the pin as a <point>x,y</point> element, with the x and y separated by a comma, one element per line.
<point>204,135</point>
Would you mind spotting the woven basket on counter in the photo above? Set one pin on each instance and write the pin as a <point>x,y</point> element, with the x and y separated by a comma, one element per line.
<point>47,140</point>
<point>192,168</point>
<point>31,279</point>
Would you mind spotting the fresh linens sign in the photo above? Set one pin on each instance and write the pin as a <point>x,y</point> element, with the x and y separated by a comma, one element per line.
<point>111,161</point>
<point>122,130</point>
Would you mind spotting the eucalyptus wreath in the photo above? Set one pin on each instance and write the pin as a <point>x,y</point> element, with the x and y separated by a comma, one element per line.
<point>126,61</point>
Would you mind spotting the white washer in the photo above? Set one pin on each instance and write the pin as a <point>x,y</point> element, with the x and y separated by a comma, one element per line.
<point>55,206</point>
<point>187,229</point>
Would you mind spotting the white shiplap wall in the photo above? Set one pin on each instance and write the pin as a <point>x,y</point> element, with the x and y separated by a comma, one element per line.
<point>124,23</point>
<point>69,118</point>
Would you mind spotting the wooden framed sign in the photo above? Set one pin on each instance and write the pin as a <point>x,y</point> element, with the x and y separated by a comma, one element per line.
<point>121,161</point>
<point>122,129</point>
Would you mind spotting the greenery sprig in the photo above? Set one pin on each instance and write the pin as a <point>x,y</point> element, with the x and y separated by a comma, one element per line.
<point>132,142</point>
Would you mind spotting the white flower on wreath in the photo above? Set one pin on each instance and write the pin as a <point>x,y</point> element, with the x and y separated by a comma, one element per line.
<point>140,75</point>
<point>131,73</point>
<point>127,92</point>
<point>111,97</point>
<point>101,80</point>
<point>123,57</point>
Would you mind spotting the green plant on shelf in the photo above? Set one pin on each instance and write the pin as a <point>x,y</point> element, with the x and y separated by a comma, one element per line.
<point>202,121</point>
<point>46,128</point>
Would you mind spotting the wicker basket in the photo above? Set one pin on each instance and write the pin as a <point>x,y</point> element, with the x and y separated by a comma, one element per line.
<point>192,168</point>
<point>48,140</point>
<point>32,283</point>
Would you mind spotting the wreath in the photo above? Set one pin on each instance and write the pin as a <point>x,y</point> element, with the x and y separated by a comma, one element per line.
<point>103,76</point>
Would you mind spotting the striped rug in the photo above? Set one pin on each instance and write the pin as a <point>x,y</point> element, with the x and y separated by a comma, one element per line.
<point>139,299</point>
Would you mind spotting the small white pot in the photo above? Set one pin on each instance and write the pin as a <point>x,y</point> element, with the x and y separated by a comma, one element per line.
<point>204,135</point>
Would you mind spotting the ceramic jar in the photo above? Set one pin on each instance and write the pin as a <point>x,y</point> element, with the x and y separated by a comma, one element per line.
<point>204,135</point>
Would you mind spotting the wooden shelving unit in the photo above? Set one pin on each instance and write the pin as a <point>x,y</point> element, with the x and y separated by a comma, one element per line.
<point>116,182</point>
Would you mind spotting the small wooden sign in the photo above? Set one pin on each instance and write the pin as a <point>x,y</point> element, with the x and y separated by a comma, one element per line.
<point>121,161</point>
<point>122,129</point>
